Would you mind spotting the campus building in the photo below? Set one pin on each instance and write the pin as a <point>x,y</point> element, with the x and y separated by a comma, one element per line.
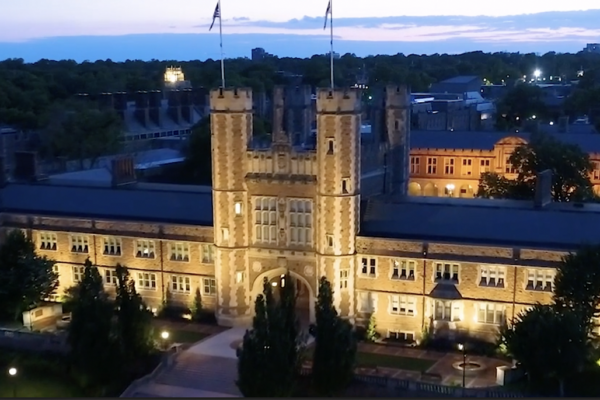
<point>452,266</point>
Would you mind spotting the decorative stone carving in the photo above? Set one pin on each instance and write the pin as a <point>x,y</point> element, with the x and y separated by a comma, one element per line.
<point>309,271</point>
<point>256,266</point>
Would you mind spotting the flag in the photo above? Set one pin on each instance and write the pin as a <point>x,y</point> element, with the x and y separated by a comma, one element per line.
<point>217,14</point>
<point>327,14</point>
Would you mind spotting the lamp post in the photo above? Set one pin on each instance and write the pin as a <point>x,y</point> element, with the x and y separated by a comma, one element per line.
<point>164,336</point>
<point>12,371</point>
<point>462,348</point>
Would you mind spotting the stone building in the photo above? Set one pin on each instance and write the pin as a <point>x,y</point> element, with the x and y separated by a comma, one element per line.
<point>451,266</point>
<point>449,164</point>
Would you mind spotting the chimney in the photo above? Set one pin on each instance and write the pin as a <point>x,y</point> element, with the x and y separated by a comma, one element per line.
<point>543,189</point>
<point>123,171</point>
<point>142,108</point>
<point>26,166</point>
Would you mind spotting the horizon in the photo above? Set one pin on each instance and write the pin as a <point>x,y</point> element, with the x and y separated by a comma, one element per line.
<point>144,30</point>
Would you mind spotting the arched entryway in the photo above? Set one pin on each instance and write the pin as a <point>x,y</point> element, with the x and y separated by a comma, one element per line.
<point>467,191</point>
<point>430,189</point>
<point>414,189</point>
<point>305,296</point>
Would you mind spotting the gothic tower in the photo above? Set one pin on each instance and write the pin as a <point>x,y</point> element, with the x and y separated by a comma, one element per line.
<point>231,129</point>
<point>338,191</point>
<point>397,136</point>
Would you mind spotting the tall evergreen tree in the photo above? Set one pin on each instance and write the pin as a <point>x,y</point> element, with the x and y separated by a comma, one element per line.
<point>134,320</point>
<point>90,331</point>
<point>335,346</point>
<point>270,358</point>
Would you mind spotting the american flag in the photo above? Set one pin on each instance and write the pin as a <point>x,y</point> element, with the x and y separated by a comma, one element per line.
<point>327,14</point>
<point>217,14</point>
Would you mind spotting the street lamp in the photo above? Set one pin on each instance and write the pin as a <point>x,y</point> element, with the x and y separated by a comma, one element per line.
<point>12,371</point>
<point>462,348</point>
<point>164,336</point>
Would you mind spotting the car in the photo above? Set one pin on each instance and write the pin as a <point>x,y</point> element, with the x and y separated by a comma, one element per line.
<point>64,321</point>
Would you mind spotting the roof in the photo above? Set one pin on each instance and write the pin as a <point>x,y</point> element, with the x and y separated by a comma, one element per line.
<point>481,221</point>
<point>462,79</point>
<point>191,205</point>
<point>485,140</point>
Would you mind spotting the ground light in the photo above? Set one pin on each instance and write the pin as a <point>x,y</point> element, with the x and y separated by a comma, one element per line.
<point>12,371</point>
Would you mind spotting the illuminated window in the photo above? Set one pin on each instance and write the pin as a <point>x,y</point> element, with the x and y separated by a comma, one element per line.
<point>239,277</point>
<point>403,269</point>
<point>265,219</point>
<point>300,213</point>
<point>145,249</point>
<point>490,313</point>
<point>79,244</point>
<point>446,310</point>
<point>431,165</point>
<point>110,277</point>
<point>209,286</point>
<point>146,280</point>
<point>180,252</point>
<point>112,246</point>
<point>207,253</point>
<point>238,208</point>
<point>402,305</point>
<point>48,241</point>
<point>181,284</point>
<point>492,275</point>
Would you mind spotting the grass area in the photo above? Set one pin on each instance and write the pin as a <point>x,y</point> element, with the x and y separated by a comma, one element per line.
<point>365,359</point>
<point>37,376</point>
<point>185,336</point>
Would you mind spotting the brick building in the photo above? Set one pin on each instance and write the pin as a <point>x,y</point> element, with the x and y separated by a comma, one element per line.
<point>447,265</point>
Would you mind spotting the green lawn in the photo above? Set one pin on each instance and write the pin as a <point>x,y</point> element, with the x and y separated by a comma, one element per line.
<point>364,359</point>
<point>183,336</point>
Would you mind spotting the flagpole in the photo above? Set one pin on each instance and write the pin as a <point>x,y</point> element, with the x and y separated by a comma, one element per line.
<point>331,41</point>
<point>221,44</point>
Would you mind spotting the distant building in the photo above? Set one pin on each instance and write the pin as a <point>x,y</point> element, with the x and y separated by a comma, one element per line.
<point>175,79</point>
<point>259,54</point>
<point>592,48</point>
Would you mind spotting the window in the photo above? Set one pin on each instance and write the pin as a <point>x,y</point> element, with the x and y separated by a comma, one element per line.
<point>414,165</point>
<point>345,186</point>
<point>265,219</point>
<point>467,167</point>
<point>146,280</point>
<point>330,241</point>
<point>403,269</point>
<point>180,252</point>
<point>509,168</point>
<point>207,253</point>
<point>369,267</point>
<point>540,279</point>
<point>79,244</point>
<point>238,208</point>
<point>110,277</point>
<point>484,166</point>
<point>490,313</point>
<point>449,166</point>
<point>112,246</point>
<point>239,277</point>
<point>596,171</point>
<point>492,275</point>
<point>78,271</point>
<point>431,165</point>
<point>366,302</point>
<point>300,222</point>
<point>48,241</point>
<point>444,310</point>
<point>446,272</point>
<point>209,286</point>
<point>144,249</point>
<point>330,142</point>
<point>225,234</point>
<point>407,337</point>
<point>181,284</point>
<point>344,274</point>
<point>402,305</point>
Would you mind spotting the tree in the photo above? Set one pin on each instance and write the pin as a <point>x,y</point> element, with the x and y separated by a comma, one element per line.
<point>550,343</point>
<point>335,346</point>
<point>577,284</point>
<point>90,332</point>
<point>371,333</point>
<point>521,103</point>
<point>81,131</point>
<point>134,320</point>
<point>270,357</point>
<point>27,278</point>
<point>197,308</point>
<point>570,168</point>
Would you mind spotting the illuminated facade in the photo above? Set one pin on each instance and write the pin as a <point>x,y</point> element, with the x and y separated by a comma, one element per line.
<point>449,265</point>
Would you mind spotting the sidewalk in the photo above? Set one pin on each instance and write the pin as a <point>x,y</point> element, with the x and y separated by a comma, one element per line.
<point>188,326</point>
<point>157,390</point>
